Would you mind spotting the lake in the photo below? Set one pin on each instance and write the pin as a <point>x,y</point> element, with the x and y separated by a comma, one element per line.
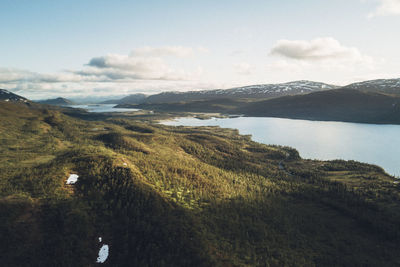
<point>102,108</point>
<point>370,143</point>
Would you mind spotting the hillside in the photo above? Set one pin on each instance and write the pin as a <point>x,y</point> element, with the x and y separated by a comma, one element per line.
<point>7,96</point>
<point>182,196</point>
<point>59,101</point>
<point>336,105</point>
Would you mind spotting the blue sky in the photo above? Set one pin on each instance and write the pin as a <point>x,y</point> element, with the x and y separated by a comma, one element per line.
<point>51,48</point>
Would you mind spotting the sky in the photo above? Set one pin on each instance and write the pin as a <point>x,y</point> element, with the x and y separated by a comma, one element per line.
<point>114,48</point>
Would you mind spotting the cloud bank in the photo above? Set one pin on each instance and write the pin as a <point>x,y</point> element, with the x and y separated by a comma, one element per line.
<point>243,68</point>
<point>147,67</point>
<point>318,49</point>
<point>386,8</point>
<point>123,67</point>
<point>145,63</point>
<point>326,57</point>
<point>177,51</point>
<point>173,68</point>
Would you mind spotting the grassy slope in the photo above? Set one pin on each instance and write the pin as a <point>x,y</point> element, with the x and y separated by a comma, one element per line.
<point>184,197</point>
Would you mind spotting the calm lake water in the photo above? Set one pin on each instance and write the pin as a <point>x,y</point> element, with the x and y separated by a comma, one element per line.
<point>370,143</point>
<point>103,108</point>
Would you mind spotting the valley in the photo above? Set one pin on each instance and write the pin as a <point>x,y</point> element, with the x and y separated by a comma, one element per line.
<point>199,133</point>
<point>375,102</point>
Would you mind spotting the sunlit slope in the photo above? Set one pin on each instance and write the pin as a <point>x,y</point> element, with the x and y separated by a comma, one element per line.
<point>164,196</point>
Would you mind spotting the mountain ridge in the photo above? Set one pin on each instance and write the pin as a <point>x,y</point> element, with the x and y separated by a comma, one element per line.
<point>265,91</point>
<point>257,91</point>
<point>8,96</point>
<point>250,91</point>
<point>59,101</point>
<point>387,86</point>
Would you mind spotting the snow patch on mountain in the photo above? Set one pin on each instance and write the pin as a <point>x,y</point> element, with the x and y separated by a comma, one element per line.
<point>272,88</point>
<point>376,83</point>
<point>388,86</point>
<point>7,96</point>
<point>250,91</point>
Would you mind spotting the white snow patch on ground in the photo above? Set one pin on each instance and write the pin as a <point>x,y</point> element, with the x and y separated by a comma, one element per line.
<point>72,179</point>
<point>103,254</point>
<point>100,239</point>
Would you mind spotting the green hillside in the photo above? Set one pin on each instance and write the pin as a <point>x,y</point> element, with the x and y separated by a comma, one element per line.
<point>184,196</point>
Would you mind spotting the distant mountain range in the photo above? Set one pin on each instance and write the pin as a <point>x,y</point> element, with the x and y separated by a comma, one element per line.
<point>7,96</point>
<point>258,92</point>
<point>60,101</point>
<point>252,91</point>
<point>262,91</point>
<point>375,101</point>
<point>368,102</point>
<point>332,105</point>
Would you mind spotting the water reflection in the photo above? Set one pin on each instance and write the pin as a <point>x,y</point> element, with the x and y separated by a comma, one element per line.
<point>103,108</point>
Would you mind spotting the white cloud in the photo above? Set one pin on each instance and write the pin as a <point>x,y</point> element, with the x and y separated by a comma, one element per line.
<point>163,51</point>
<point>386,8</point>
<point>202,49</point>
<point>243,68</point>
<point>111,74</point>
<point>326,50</point>
<point>237,52</point>
<point>102,89</point>
<point>10,76</point>
<point>119,67</point>
<point>323,59</point>
<point>145,63</point>
<point>178,51</point>
<point>283,65</point>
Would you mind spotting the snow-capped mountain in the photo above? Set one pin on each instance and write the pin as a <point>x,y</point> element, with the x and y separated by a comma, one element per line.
<point>251,91</point>
<point>387,86</point>
<point>7,96</point>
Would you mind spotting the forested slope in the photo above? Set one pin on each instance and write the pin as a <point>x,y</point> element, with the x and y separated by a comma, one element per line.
<point>164,196</point>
